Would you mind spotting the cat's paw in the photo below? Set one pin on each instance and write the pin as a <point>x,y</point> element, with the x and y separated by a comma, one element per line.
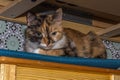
<point>36,51</point>
<point>40,51</point>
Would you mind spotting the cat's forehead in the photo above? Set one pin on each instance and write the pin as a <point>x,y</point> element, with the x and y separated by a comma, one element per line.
<point>36,22</point>
<point>45,16</point>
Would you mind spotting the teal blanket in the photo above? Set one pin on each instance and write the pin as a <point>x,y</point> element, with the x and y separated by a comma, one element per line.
<point>103,63</point>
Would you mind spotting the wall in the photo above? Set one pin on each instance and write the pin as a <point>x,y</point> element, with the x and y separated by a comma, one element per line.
<point>11,35</point>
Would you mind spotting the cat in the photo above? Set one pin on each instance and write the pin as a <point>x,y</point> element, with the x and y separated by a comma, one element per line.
<point>46,35</point>
<point>36,37</point>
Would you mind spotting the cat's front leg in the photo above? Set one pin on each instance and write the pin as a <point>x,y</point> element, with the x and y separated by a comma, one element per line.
<point>99,52</point>
<point>55,52</point>
<point>40,51</point>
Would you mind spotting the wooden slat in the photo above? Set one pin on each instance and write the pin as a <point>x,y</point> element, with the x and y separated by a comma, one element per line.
<point>20,20</point>
<point>53,65</point>
<point>115,77</point>
<point>101,24</point>
<point>7,72</point>
<point>80,27</point>
<point>116,39</point>
<point>18,7</point>
<point>5,2</point>
<point>111,31</point>
<point>1,6</point>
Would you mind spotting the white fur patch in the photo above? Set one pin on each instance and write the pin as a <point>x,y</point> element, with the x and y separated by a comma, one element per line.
<point>61,43</point>
<point>44,45</point>
<point>36,51</point>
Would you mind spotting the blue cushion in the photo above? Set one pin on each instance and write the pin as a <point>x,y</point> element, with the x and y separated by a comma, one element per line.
<point>103,63</point>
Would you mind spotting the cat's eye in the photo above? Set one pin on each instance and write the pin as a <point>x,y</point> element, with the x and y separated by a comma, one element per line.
<point>54,33</point>
<point>38,34</point>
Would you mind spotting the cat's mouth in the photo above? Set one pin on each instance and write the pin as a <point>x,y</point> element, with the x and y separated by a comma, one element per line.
<point>43,47</point>
<point>47,47</point>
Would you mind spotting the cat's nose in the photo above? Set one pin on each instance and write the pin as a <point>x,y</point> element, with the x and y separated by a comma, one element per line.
<point>47,43</point>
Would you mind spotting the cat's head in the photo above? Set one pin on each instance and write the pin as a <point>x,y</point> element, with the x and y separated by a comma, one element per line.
<point>45,31</point>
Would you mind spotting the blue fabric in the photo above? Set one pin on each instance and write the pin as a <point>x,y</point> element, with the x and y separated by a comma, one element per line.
<point>103,63</point>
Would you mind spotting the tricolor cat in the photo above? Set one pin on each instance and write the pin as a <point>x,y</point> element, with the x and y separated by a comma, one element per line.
<point>46,35</point>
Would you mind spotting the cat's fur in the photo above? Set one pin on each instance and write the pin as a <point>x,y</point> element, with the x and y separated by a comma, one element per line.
<point>46,35</point>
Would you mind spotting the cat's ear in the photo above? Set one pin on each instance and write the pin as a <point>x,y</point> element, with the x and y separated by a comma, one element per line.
<point>57,17</point>
<point>92,36</point>
<point>30,17</point>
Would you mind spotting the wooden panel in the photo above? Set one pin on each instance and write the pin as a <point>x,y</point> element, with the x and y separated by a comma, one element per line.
<point>24,69</point>
<point>98,5</point>
<point>77,5</point>
<point>7,72</point>
<point>115,77</point>
<point>26,73</point>
<point>19,7</point>
<point>52,65</point>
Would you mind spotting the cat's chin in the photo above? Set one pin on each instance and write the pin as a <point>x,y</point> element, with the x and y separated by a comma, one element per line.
<point>46,48</point>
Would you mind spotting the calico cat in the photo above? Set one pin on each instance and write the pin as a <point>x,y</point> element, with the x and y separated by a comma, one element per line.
<point>46,35</point>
